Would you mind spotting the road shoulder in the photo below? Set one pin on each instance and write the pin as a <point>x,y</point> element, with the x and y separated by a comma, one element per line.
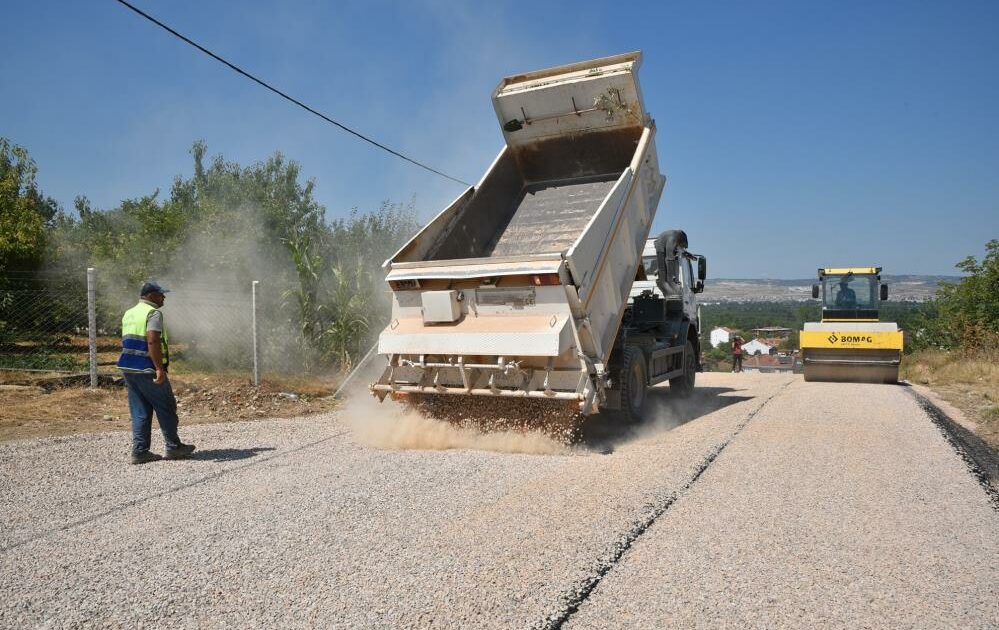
<point>982,460</point>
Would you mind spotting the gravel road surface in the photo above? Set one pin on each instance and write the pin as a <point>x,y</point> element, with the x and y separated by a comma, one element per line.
<point>762,501</point>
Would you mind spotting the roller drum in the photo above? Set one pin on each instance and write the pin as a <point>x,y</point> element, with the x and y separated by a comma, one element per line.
<point>851,366</point>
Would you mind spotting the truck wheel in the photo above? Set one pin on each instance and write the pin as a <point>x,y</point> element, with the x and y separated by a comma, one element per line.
<point>683,386</point>
<point>634,382</point>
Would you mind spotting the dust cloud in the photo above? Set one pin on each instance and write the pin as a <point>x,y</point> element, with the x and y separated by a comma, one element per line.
<point>508,425</point>
<point>208,311</point>
<point>408,426</point>
<point>663,413</point>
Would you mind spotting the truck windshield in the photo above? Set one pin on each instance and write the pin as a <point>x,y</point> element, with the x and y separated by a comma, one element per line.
<point>848,292</point>
<point>651,265</point>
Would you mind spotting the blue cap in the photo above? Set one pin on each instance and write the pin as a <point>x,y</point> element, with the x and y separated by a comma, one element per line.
<point>152,287</point>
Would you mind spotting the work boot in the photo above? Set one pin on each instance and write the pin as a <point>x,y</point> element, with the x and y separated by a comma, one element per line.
<point>145,457</point>
<point>183,451</point>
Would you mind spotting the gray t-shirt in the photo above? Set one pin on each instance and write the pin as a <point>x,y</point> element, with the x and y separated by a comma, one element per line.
<point>155,319</point>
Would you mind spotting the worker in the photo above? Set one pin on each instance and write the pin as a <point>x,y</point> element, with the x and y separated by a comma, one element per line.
<point>736,354</point>
<point>144,361</point>
<point>846,298</point>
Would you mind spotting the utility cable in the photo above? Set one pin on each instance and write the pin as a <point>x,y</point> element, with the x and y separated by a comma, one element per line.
<point>285,96</point>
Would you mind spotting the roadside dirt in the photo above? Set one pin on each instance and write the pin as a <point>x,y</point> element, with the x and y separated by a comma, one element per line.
<point>48,406</point>
<point>969,383</point>
<point>977,405</point>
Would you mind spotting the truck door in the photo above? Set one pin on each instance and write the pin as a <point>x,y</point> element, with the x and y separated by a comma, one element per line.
<point>687,275</point>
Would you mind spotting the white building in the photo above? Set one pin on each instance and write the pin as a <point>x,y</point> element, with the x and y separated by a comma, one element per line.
<point>720,335</point>
<point>758,346</point>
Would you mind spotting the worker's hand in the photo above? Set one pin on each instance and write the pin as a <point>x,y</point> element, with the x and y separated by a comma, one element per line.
<point>160,377</point>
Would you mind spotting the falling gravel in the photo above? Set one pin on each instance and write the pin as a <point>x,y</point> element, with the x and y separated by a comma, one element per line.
<point>529,426</point>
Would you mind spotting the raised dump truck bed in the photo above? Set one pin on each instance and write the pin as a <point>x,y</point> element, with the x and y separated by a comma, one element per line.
<point>519,204</point>
<point>550,216</point>
<point>518,287</point>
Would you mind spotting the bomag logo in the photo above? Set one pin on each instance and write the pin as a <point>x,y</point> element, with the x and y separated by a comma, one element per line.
<point>832,338</point>
<point>855,339</point>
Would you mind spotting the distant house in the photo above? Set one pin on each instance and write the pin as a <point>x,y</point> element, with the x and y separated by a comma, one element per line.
<point>760,346</point>
<point>720,335</point>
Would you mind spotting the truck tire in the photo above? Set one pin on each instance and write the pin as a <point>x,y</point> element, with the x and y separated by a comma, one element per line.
<point>633,383</point>
<point>683,386</point>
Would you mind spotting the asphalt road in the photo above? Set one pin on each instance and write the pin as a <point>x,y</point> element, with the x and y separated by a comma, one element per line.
<point>763,501</point>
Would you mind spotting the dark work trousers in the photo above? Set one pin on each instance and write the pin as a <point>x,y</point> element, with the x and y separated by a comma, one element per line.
<point>144,397</point>
<point>736,362</point>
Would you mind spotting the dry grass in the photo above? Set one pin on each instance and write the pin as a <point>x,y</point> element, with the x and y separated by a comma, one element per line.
<point>40,405</point>
<point>970,382</point>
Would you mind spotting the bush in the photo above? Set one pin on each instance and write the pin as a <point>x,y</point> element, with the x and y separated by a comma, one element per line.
<point>968,316</point>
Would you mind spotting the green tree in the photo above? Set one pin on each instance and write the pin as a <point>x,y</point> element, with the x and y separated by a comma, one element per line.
<point>25,213</point>
<point>969,308</point>
<point>231,224</point>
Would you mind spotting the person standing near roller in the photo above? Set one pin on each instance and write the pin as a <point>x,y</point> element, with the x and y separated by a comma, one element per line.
<point>144,361</point>
<point>736,354</point>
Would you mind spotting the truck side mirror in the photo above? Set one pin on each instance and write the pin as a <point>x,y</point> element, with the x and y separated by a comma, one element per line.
<point>884,292</point>
<point>702,273</point>
<point>815,291</point>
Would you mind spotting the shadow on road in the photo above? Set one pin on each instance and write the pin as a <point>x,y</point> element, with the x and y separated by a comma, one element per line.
<point>663,412</point>
<point>230,454</point>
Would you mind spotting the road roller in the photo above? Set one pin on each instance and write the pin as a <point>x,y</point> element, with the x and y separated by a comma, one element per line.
<point>851,343</point>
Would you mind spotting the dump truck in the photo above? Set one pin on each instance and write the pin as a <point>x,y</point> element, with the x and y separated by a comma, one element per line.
<point>521,287</point>
<point>851,343</point>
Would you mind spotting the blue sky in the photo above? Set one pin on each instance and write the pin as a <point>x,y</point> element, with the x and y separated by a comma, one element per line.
<point>794,134</point>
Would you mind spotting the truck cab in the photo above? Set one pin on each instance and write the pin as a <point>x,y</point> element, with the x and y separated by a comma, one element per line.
<point>659,338</point>
<point>691,270</point>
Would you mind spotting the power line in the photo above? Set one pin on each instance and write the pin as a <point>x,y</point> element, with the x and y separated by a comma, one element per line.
<point>263,83</point>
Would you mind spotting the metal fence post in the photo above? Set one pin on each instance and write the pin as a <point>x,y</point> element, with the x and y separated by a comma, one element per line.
<point>256,338</point>
<point>92,322</point>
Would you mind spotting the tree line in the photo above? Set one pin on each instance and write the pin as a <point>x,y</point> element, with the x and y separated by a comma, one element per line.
<point>233,224</point>
<point>224,225</point>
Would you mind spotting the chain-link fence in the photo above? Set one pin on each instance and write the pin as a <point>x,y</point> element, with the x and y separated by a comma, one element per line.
<point>66,324</point>
<point>43,324</point>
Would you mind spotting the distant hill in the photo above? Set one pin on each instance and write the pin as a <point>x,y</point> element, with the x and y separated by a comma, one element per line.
<point>912,288</point>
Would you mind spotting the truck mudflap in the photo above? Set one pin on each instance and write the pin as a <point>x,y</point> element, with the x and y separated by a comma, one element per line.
<point>499,376</point>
